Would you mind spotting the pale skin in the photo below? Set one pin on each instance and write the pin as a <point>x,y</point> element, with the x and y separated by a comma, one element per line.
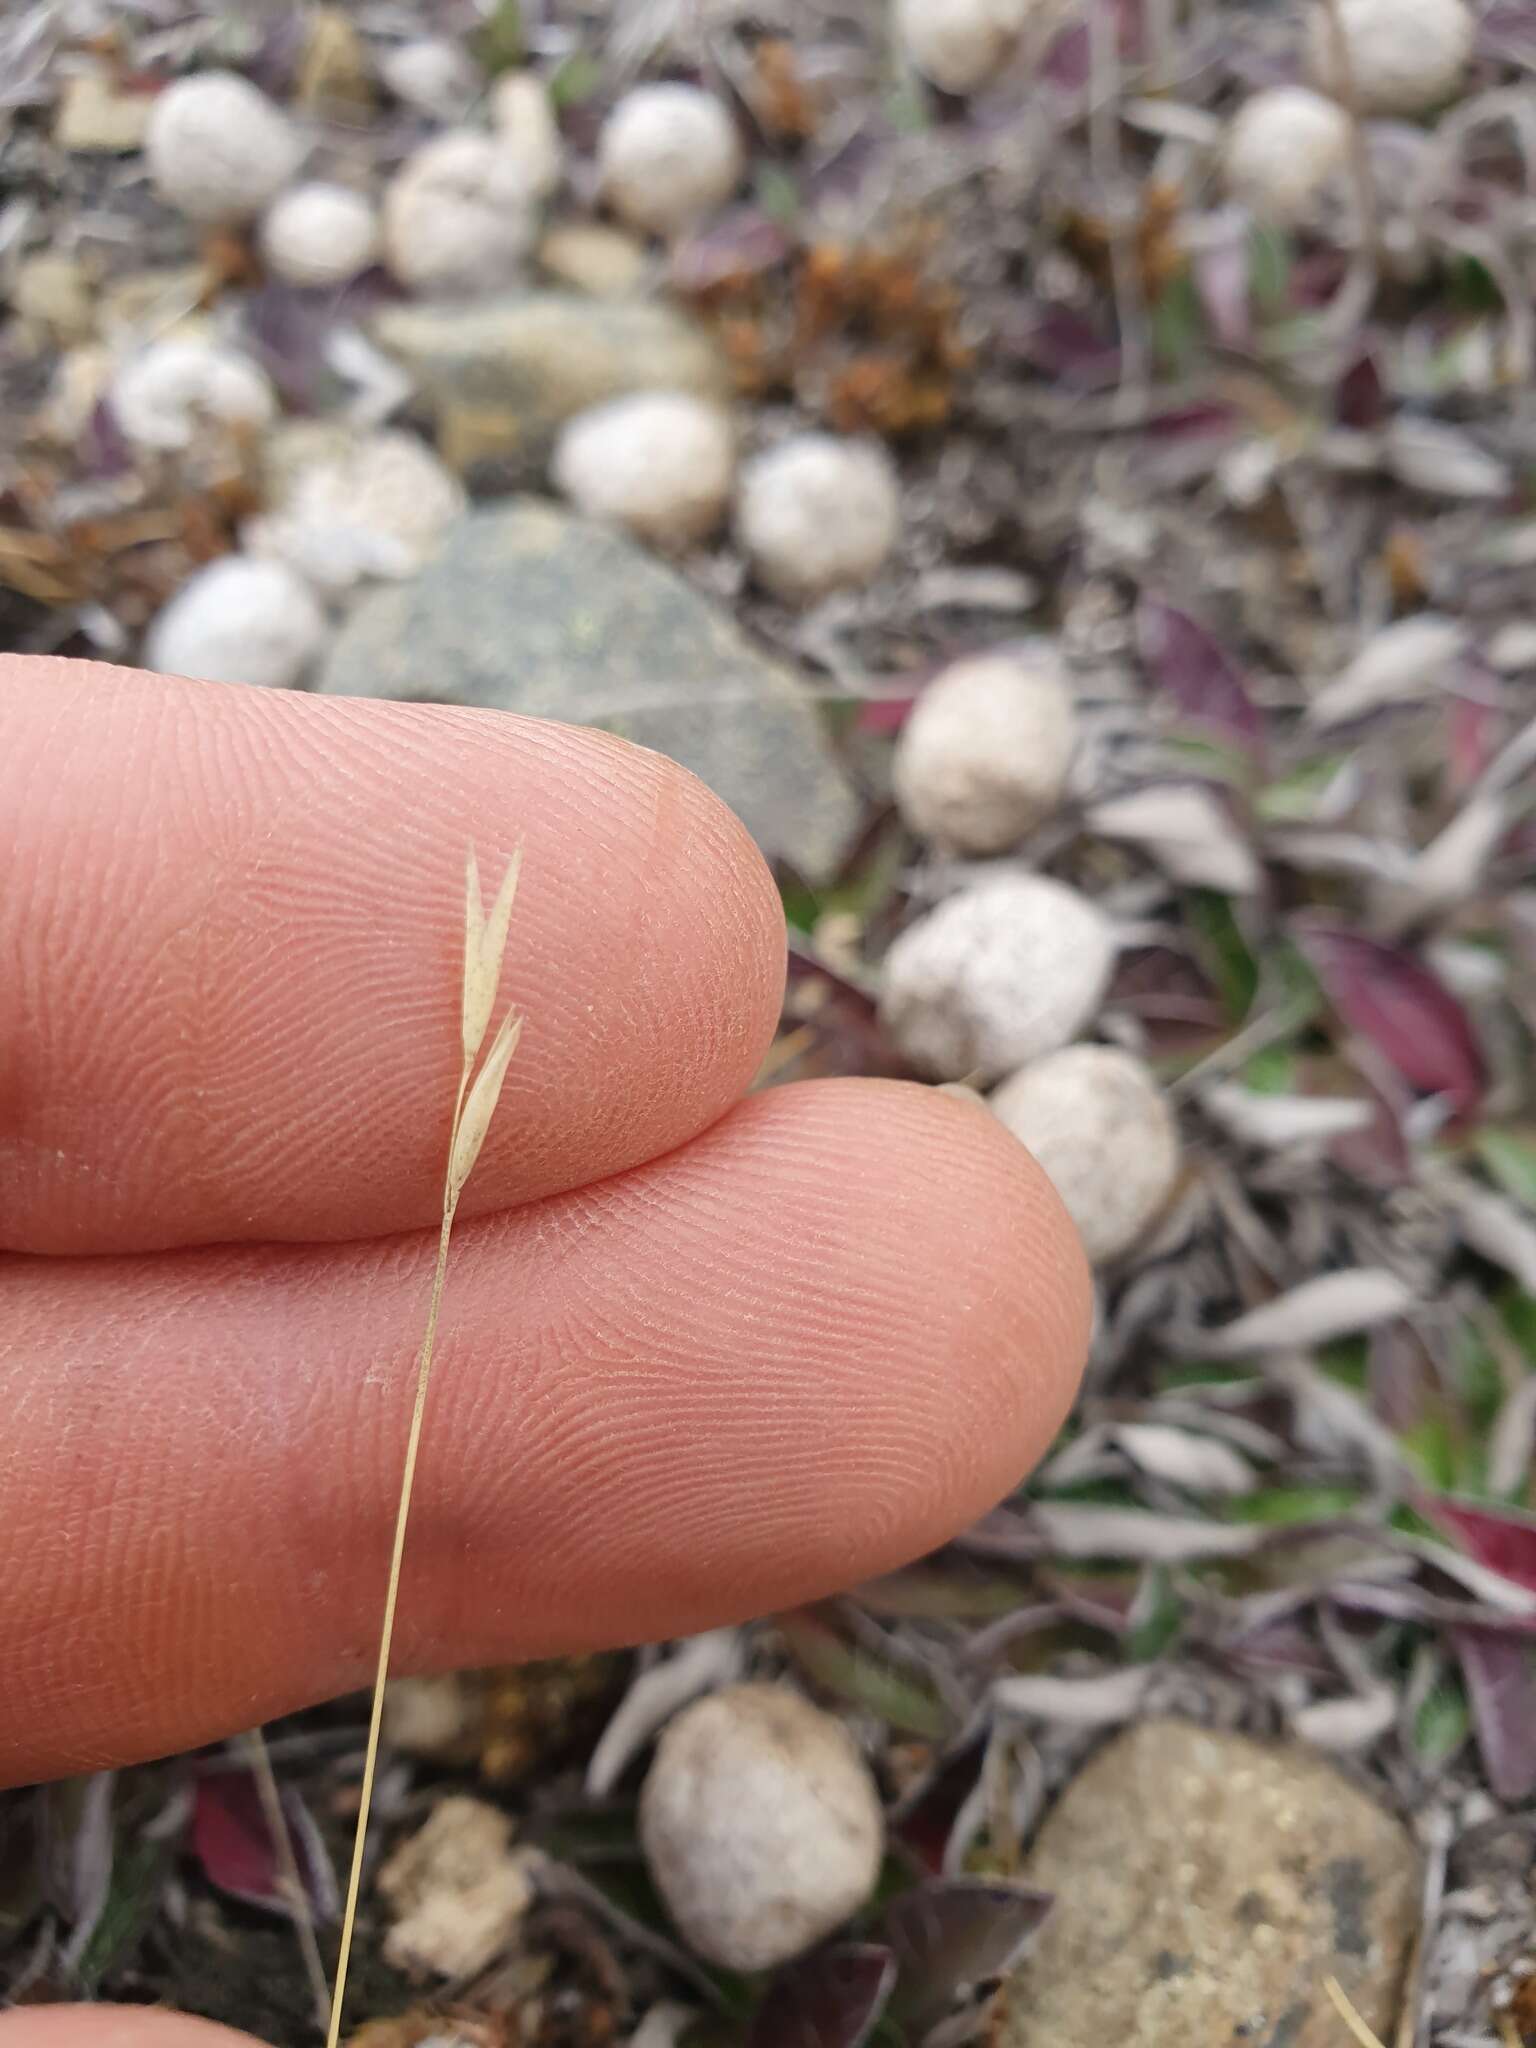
<point>703,1353</point>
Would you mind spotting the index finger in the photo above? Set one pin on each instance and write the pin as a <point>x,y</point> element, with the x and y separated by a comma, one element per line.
<point>230,939</point>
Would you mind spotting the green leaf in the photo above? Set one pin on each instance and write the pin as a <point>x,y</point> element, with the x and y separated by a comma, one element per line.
<point>1294,798</point>
<point>1278,1506</point>
<point>499,42</point>
<point>574,81</point>
<point>1510,1160</point>
<point>1432,1448</point>
<point>1157,1613</point>
<point>1178,325</point>
<point>1271,1072</point>
<point>130,1906</point>
<point>1269,268</point>
<point>1348,1362</point>
<point>778,194</point>
<point>1518,1312</point>
<point>898,1697</point>
<point>1223,950</point>
<point>1442,1723</point>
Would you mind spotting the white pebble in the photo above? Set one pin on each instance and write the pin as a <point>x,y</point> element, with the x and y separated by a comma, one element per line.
<point>458,215</point>
<point>668,156</point>
<point>239,621</point>
<point>1101,1130</point>
<point>379,507</point>
<point>433,75</point>
<point>1000,974</point>
<point>658,462</point>
<point>524,121</point>
<point>959,44</point>
<point>320,234</point>
<point>165,395</point>
<point>983,759</point>
<point>1284,149</point>
<point>1405,56</point>
<point>218,149</point>
<point>818,514</point>
<point>761,1825</point>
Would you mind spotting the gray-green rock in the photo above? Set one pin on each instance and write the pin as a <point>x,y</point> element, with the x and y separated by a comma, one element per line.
<point>499,376</point>
<point>529,609</point>
<point>1205,1885</point>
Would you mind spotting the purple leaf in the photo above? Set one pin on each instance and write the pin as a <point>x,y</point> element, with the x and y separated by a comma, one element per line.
<point>1401,1007</point>
<point>1501,1538</point>
<point>1502,1693</point>
<point>1059,342</point>
<point>233,1843</point>
<point>1198,674</point>
<point>1360,400</point>
<point>951,1933</point>
<point>829,2000</point>
<point>744,243</point>
<point>927,1817</point>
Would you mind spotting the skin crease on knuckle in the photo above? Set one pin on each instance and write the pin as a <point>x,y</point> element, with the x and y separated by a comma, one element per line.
<point>775,1362</point>
<point>230,948</point>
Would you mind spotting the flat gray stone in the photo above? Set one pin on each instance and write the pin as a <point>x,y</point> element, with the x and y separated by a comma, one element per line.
<point>529,609</point>
<point>499,376</point>
<point>1205,1886</point>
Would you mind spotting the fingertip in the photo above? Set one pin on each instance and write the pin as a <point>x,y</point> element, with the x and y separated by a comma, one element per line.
<point>112,2026</point>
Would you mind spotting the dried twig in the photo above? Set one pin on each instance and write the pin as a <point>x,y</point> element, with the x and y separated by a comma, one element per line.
<point>291,1883</point>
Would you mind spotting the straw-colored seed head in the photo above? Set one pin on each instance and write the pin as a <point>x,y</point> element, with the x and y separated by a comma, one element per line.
<point>459,215</point>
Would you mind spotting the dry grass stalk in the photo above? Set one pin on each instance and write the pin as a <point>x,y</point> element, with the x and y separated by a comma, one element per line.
<point>290,1878</point>
<point>1347,2013</point>
<point>474,1105</point>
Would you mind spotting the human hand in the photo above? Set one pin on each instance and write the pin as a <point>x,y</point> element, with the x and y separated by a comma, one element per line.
<point>703,1354</point>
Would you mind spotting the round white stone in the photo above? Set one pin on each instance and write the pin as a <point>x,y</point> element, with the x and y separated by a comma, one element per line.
<point>524,121</point>
<point>1283,150</point>
<point>164,395</point>
<point>239,621</point>
<point>1001,973</point>
<point>668,156</point>
<point>983,758</point>
<point>1405,56</point>
<point>1096,1122</point>
<point>657,462</point>
<point>458,215</point>
<point>378,507</point>
<point>320,234</point>
<point>959,44</point>
<point>761,1825</point>
<point>818,514</point>
<point>218,149</point>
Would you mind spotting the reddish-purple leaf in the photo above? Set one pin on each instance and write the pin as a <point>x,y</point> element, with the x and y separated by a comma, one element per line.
<point>951,1934</point>
<point>927,1817</point>
<point>1062,344</point>
<point>233,1843</point>
<point>1401,1007</point>
<point>883,716</point>
<point>1502,1693</point>
<point>831,1999</point>
<point>1501,1538</point>
<point>1198,674</point>
<point>742,244</point>
<point>1476,731</point>
<point>1360,398</point>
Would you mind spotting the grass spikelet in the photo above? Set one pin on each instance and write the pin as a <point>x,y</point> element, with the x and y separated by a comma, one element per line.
<point>474,1105</point>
